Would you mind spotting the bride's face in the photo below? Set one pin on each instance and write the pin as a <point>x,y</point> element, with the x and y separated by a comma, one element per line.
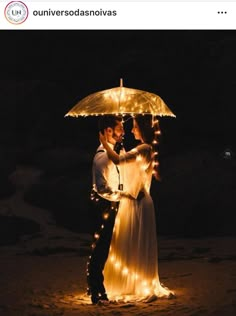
<point>136,131</point>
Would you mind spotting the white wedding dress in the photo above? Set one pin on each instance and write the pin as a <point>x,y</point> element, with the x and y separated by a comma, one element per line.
<point>131,271</point>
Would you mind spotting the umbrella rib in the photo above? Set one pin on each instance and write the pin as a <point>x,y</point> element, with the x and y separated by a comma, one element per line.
<point>123,101</point>
<point>144,95</point>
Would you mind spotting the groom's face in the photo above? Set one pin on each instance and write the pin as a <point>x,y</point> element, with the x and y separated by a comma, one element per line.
<point>116,134</point>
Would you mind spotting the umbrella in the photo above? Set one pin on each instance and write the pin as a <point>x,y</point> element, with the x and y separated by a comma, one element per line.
<point>121,100</point>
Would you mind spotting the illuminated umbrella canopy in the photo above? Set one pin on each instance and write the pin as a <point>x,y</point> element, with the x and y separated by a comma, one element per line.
<point>121,100</point>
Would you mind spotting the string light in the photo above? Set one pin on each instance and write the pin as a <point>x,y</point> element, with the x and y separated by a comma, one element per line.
<point>97,234</point>
<point>105,215</point>
<point>145,285</point>
<point>139,158</point>
<point>125,271</point>
<point>112,258</point>
<point>117,265</point>
<point>146,291</point>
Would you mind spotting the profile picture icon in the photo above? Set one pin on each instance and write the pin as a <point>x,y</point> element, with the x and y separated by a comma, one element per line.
<point>16,12</point>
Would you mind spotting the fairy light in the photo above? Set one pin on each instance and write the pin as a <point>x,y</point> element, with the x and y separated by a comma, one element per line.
<point>96,235</point>
<point>125,271</point>
<point>117,265</point>
<point>105,215</point>
<point>154,282</point>
<point>139,158</point>
<point>96,238</point>
<point>146,291</point>
<point>112,258</point>
<point>145,286</point>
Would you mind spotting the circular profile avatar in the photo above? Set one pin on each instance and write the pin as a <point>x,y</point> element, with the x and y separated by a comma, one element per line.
<point>16,12</point>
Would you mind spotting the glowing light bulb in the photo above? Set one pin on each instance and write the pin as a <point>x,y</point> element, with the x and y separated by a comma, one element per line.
<point>117,265</point>
<point>112,258</point>
<point>146,291</point>
<point>96,235</point>
<point>154,282</point>
<point>125,271</point>
<point>105,215</point>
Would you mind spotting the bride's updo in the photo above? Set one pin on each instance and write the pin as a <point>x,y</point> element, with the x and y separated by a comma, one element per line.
<point>150,132</point>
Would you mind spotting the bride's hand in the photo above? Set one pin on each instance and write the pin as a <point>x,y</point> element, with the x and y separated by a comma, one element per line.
<point>102,138</point>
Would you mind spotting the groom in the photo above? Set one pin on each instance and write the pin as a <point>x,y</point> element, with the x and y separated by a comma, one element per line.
<point>106,182</point>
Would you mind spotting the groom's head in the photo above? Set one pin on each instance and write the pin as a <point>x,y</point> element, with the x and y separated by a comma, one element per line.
<point>113,126</point>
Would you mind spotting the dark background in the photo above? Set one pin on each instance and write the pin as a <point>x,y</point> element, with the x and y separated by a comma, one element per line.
<point>44,73</point>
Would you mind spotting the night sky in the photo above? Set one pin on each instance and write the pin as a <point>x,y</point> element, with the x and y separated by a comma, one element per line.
<point>44,73</point>
<point>193,71</point>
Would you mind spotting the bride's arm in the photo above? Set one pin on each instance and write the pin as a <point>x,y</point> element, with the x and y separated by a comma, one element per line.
<point>111,153</point>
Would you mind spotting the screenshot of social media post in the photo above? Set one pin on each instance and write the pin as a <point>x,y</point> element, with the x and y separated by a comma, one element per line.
<point>118,158</point>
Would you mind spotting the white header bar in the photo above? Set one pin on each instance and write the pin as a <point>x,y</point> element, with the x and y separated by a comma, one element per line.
<point>117,15</point>
<point>110,1</point>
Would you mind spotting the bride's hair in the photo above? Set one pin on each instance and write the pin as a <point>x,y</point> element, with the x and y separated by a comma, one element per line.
<point>150,132</point>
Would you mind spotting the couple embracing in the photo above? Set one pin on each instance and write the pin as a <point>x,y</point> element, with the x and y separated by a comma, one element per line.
<point>123,263</point>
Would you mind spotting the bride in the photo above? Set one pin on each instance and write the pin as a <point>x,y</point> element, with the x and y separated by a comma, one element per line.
<point>131,271</point>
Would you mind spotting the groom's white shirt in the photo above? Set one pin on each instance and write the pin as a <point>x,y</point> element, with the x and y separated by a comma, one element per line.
<point>106,175</point>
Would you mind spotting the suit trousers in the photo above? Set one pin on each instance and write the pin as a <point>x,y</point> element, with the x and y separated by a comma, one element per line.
<point>101,246</point>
